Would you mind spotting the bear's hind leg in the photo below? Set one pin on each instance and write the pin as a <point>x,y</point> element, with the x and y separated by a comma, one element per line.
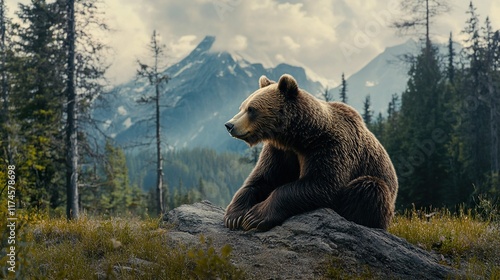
<point>367,201</point>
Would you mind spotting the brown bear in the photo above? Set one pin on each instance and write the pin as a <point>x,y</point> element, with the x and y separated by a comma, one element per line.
<point>315,154</point>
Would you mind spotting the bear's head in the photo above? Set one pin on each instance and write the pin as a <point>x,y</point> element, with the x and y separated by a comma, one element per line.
<point>264,115</point>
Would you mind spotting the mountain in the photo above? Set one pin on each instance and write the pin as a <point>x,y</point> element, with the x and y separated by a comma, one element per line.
<point>207,87</point>
<point>205,90</point>
<point>383,76</point>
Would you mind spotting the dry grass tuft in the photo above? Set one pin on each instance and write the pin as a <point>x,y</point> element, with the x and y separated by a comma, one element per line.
<point>465,240</point>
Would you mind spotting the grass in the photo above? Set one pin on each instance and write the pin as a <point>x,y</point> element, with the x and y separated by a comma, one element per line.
<point>468,241</point>
<point>337,268</point>
<point>116,248</point>
<point>133,248</point>
<point>465,240</point>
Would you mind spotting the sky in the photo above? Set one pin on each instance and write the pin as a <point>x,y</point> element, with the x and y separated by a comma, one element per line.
<point>327,37</point>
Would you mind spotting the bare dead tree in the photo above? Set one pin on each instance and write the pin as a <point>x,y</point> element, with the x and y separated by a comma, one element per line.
<point>156,79</point>
<point>420,16</point>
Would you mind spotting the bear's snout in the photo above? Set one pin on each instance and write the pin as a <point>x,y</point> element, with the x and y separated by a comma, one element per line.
<point>229,126</point>
<point>239,126</point>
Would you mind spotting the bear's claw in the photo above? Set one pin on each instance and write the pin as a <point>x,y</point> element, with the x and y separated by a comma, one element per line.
<point>255,221</point>
<point>233,223</point>
<point>252,222</point>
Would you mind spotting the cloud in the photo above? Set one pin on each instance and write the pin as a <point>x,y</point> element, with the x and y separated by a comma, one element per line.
<point>238,43</point>
<point>181,47</point>
<point>128,39</point>
<point>327,36</point>
<point>494,11</point>
<point>290,43</point>
<point>279,57</point>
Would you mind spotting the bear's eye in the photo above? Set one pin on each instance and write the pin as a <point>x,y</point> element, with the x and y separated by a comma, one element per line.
<point>251,110</point>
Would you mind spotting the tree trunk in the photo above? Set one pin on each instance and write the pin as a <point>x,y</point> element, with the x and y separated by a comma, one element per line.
<point>72,210</point>
<point>155,79</point>
<point>493,127</point>
<point>3,71</point>
<point>427,25</point>
<point>4,119</point>
<point>159,159</point>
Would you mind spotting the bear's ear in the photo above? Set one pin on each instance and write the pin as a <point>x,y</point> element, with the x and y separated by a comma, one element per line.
<point>288,86</point>
<point>264,81</point>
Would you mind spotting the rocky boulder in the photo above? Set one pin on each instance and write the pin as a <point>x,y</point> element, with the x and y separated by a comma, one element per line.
<point>306,245</point>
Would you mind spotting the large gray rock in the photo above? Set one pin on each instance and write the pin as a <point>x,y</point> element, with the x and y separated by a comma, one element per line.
<point>304,244</point>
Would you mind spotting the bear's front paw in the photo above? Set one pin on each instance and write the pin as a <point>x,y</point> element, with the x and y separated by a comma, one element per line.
<point>261,219</point>
<point>234,217</point>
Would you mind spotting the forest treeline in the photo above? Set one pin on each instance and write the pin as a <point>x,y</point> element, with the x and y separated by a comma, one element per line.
<point>192,175</point>
<point>441,132</point>
<point>127,182</point>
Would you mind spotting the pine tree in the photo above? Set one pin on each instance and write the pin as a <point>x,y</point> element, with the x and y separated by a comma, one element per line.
<point>450,70</point>
<point>36,94</point>
<point>111,192</point>
<point>5,118</point>
<point>378,127</point>
<point>473,127</point>
<point>40,70</point>
<point>420,154</point>
<point>391,131</point>
<point>491,64</point>
<point>423,149</point>
<point>117,183</point>
<point>393,106</point>
<point>326,94</point>
<point>367,111</point>
<point>343,90</point>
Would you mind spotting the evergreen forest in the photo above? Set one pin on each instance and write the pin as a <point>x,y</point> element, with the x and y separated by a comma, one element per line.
<point>442,131</point>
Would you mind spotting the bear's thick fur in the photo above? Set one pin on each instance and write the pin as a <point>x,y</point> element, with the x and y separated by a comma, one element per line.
<point>315,154</point>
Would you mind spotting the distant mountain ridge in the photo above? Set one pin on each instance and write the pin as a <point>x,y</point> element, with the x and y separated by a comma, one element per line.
<point>207,87</point>
<point>205,90</point>
<point>380,78</point>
